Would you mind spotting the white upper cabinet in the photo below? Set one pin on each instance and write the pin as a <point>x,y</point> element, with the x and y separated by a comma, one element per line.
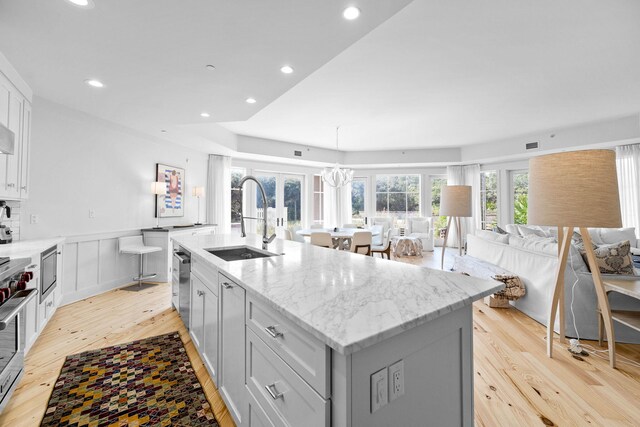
<point>15,114</point>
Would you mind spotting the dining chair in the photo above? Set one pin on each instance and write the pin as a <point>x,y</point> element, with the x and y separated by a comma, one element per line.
<point>361,243</point>
<point>295,236</point>
<point>287,234</point>
<point>322,238</point>
<point>385,248</point>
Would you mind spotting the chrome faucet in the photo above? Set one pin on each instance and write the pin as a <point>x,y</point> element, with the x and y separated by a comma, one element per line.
<point>265,240</point>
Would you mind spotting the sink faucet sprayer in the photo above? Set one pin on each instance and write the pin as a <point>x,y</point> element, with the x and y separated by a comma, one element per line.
<point>265,240</point>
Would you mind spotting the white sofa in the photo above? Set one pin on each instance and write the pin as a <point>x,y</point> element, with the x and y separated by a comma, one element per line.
<point>536,266</point>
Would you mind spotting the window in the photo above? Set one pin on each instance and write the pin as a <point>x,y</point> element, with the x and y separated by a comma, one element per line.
<point>358,196</point>
<point>398,196</point>
<point>236,196</point>
<point>439,222</point>
<point>520,185</point>
<point>318,200</point>
<point>489,200</point>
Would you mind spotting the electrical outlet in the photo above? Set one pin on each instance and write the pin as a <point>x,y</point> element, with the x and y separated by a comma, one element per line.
<point>379,390</point>
<point>92,213</point>
<point>34,219</point>
<point>396,380</point>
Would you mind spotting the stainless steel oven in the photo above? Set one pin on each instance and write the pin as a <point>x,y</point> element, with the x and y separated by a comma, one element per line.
<point>48,272</point>
<point>12,327</point>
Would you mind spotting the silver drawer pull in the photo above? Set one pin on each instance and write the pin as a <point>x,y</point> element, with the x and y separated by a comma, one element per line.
<point>271,330</point>
<point>11,185</point>
<point>200,293</point>
<point>271,388</point>
<point>226,285</point>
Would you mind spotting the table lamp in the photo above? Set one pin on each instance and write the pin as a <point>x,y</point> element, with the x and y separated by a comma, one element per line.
<point>576,189</point>
<point>455,202</point>
<point>198,192</point>
<point>159,188</point>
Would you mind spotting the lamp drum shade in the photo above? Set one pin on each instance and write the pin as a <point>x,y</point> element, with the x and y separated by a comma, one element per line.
<point>197,191</point>
<point>574,189</point>
<point>158,188</point>
<point>455,200</point>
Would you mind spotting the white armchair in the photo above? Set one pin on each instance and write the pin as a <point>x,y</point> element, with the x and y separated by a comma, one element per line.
<point>422,228</point>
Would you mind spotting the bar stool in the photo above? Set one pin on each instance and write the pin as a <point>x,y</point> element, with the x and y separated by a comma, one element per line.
<point>135,245</point>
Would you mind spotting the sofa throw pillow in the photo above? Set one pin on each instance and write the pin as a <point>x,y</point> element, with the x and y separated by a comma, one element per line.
<point>419,226</point>
<point>615,235</point>
<point>527,231</point>
<point>513,287</point>
<point>612,259</point>
<point>493,237</point>
<point>499,230</point>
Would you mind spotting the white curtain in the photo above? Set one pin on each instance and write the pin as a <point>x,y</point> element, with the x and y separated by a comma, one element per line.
<point>628,166</point>
<point>219,192</point>
<point>466,175</point>
<point>337,206</point>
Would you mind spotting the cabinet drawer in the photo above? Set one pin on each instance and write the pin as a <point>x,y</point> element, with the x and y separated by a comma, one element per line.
<point>207,274</point>
<point>280,391</point>
<point>256,416</point>
<point>307,355</point>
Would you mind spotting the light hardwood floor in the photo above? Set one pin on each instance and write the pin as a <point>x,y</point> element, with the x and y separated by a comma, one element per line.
<point>515,383</point>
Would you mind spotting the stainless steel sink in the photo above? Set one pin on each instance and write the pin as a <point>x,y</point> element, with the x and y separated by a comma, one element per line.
<point>240,253</point>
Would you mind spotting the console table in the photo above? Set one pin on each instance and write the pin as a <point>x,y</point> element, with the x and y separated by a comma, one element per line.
<point>629,318</point>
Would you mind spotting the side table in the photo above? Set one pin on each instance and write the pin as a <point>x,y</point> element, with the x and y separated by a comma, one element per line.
<point>630,318</point>
<point>406,246</point>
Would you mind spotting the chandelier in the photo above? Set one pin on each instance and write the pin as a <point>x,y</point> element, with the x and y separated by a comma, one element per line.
<point>336,177</point>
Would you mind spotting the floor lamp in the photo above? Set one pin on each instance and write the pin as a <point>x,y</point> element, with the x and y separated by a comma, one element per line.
<point>455,202</point>
<point>576,189</point>
<point>159,188</point>
<point>198,192</point>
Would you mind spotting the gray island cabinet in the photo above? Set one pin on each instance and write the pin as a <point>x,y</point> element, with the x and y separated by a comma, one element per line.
<point>319,337</point>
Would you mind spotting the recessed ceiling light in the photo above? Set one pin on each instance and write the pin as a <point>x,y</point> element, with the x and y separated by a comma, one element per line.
<point>251,101</point>
<point>286,69</point>
<point>86,4</point>
<point>163,130</point>
<point>351,13</point>
<point>210,67</point>
<point>94,83</point>
<point>205,115</point>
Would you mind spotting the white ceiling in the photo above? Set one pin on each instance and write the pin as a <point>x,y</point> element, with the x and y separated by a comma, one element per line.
<point>151,54</point>
<point>458,72</point>
<point>435,74</point>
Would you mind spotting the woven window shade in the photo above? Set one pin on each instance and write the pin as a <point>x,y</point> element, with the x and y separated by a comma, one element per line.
<point>577,189</point>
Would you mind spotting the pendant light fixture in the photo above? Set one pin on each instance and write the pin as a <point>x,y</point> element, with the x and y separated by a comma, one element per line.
<point>336,176</point>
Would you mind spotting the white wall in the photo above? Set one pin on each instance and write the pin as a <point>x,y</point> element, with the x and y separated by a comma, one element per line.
<point>80,162</point>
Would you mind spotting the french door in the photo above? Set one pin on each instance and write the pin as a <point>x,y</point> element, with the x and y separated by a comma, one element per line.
<point>284,201</point>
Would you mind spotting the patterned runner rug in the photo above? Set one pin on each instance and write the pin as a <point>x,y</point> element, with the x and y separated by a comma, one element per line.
<point>149,382</point>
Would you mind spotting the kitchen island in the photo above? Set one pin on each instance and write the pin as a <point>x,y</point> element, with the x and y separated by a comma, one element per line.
<point>319,337</point>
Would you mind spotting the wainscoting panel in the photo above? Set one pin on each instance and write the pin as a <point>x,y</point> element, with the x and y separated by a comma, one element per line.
<point>88,254</point>
<point>92,264</point>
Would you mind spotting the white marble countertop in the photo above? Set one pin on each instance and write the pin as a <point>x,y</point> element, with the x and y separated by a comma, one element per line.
<point>27,248</point>
<point>348,301</point>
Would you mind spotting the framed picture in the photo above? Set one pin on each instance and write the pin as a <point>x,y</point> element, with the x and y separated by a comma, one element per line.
<point>171,204</point>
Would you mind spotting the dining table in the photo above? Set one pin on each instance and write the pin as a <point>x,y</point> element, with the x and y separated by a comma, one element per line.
<point>340,236</point>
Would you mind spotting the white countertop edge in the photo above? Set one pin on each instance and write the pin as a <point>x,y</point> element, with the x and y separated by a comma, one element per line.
<point>30,247</point>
